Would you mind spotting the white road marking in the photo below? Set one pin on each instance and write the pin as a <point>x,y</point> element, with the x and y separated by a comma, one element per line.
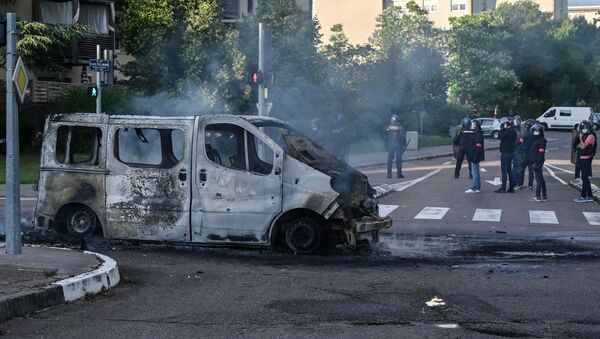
<point>495,182</point>
<point>435,213</point>
<point>543,217</point>
<point>593,218</point>
<point>482,214</point>
<point>22,199</point>
<point>447,163</point>
<point>554,175</point>
<point>481,169</point>
<point>385,210</point>
<point>560,169</point>
<point>401,186</point>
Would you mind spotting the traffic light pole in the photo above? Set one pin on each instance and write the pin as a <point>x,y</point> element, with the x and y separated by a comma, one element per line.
<point>98,84</point>
<point>13,190</point>
<point>261,66</point>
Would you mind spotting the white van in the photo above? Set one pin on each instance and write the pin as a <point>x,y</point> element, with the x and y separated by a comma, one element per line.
<point>564,117</point>
<point>214,179</point>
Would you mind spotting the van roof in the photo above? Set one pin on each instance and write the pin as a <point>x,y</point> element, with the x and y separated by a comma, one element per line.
<point>103,118</point>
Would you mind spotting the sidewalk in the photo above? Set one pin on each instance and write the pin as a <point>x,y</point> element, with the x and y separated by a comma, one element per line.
<point>42,277</point>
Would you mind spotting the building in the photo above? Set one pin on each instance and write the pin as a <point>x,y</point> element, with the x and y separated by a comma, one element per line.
<point>589,9</point>
<point>557,8</point>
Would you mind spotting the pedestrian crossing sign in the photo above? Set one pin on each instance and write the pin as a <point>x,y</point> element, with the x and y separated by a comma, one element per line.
<point>20,79</point>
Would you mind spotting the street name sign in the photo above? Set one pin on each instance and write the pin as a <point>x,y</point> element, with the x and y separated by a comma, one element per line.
<point>20,79</point>
<point>99,65</point>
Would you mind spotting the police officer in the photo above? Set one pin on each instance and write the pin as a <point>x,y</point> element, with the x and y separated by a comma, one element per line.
<point>537,156</point>
<point>462,139</point>
<point>316,132</point>
<point>475,155</point>
<point>396,144</point>
<point>587,148</point>
<point>517,155</point>
<point>524,145</point>
<point>340,145</point>
<point>507,137</point>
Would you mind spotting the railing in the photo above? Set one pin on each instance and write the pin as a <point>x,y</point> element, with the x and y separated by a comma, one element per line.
<point>47,91</point>
<point>79,52</point>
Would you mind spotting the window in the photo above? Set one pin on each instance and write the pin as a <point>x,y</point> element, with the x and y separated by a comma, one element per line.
<point>78,145</point>
<point>430,6</point>
<point>52,12</point>
<point>95,16</point>
<point>550,114</point>
<point>149,147</point>
<point>565,113</point>
<point>233,147</point>
<point>231,9</point>
<point>459,5</point>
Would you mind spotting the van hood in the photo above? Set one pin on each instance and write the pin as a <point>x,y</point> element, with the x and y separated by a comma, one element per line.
<point>352,185</point>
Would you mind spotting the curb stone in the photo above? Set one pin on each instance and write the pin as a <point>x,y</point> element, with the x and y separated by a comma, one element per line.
<point>104,277</point>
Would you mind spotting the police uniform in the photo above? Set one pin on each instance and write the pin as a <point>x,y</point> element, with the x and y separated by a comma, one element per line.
<point>396,144</point>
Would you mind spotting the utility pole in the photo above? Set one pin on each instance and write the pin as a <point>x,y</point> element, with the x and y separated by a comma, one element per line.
<point>261,68</point>
<point>98,84</point>
<point>13,192</point>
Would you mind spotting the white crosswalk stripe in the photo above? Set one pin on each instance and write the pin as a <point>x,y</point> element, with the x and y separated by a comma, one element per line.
<point>543,217</point>
<point>434,213</point>
<point>593,218</point>
<point>385,210</point>
<point>482,214</point>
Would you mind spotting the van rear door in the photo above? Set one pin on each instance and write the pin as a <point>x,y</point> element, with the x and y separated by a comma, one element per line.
<point>237,188</point>
<point>147,189</point>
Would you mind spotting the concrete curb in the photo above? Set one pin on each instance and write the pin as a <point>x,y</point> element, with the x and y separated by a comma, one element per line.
<point>576,183</point>
<point>22,304</point>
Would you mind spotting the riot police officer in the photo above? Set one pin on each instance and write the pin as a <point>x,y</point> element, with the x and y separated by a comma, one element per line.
<point>340,145</point>
<point>508,137</point>
<point>587,149</point>
<point>517,156</point>
<point>523,146</point>
<point>316,132</point>
<point>462,140</point>
<point>395,140</point>
<point>537,156</point>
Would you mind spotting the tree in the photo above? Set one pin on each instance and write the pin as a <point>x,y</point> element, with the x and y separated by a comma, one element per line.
<point>182,47</point>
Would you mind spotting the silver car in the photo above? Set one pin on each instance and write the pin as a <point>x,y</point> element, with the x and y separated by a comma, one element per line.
<point>490,127</point>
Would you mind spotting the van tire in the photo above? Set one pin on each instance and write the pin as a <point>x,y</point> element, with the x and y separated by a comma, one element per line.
<point>304,235</point>
<point>81,221</point>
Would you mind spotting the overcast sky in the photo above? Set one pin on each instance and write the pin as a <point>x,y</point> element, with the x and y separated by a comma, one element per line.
<point>584,2</point>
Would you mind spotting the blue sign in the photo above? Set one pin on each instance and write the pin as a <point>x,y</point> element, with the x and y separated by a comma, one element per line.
<point>99,65</point>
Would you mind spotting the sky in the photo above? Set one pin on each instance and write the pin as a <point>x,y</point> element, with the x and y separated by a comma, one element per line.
<point>584,2</point>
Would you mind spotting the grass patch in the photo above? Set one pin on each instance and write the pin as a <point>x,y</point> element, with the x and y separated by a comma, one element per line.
<point>378,145</point>
<point>29,171</point>
<point>433,140</point>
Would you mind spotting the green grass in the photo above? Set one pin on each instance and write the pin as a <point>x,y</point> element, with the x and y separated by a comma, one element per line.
<point>29,170</point>
<point>377,145</point>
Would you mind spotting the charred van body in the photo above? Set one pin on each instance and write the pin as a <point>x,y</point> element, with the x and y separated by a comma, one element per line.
<point>218,179</point>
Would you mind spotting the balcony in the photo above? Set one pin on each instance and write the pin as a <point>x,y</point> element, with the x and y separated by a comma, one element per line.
<point>79,52</point>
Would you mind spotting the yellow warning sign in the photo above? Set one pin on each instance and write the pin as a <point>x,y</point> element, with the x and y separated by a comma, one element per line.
<point>20,79</point>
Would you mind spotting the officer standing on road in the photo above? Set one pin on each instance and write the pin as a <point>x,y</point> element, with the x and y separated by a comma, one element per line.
<point>587,149</point>
<point>475,155</point>
<point>462,140</point>
<point>339,140</point>
<point>507,137</point>
<point>316,132</point>
<point>517,156</point>
<point>525,141</point>
<point>537,156</point>
<point>396,144</point>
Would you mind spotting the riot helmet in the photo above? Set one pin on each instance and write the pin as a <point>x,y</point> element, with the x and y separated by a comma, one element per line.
<point>585,127</point>
<point>506,122</point>
<point>517,121</point>
<point>538,130</point>
<point>466,123</point>
<point>475,124</point>
<point>395,120</point>
<point>316,123</point>
<point>529,123</point>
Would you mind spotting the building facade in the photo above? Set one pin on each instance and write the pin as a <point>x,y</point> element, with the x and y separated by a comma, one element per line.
<point>557,8</point>
<point>590,13</point>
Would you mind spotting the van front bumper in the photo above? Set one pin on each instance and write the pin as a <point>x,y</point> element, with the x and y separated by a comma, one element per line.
<point>363,228</point>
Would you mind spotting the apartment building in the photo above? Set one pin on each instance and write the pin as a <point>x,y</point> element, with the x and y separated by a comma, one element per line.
<point>557,8</point>
<point>589,9</point>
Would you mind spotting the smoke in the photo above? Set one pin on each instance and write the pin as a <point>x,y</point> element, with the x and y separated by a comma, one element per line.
<point>193,100</point>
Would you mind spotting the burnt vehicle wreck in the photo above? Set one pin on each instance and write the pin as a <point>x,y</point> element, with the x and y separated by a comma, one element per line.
<point>214,179</point>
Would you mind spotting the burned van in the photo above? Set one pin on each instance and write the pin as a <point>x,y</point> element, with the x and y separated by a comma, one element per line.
<point>212,179</point>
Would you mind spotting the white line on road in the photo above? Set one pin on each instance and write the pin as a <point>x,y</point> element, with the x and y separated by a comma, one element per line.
<point>593,218</point>
<point>447,163</point>
<point>554,175</point>
<point>385,210</point>
<point>559,169</point>
<point>482,214</point>
<point>22,199</point>
<point>543,217</point>
<point>401,186</point>
<point>483,170</point>
<point>435,213</point>
<point>495,182</point>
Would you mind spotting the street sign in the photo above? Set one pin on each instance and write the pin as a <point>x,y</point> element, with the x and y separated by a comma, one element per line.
<point>20,79</point>
<point>99,65</point>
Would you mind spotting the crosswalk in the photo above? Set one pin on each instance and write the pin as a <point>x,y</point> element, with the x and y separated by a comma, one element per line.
<point>491,215</point>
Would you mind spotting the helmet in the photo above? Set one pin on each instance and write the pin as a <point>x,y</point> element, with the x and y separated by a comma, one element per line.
<point>316,122</point>
<point>538,129</point>
<point>395,120</point>
<point>475,124</point>
<point>529,123</point>
<point>506,122</point>
<point>585,127</point>
<point>517,120</point>
<point>466,123</point>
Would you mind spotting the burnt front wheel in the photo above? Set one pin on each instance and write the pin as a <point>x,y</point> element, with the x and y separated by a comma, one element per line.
<point>304,235</point>
<point>81,221</point>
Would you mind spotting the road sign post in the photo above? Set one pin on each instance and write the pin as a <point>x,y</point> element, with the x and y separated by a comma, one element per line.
<point>98,82</point>
<point>264,67</point>
<point>13,193</point>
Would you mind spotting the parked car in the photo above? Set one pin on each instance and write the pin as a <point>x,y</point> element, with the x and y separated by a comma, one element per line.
<point>489,126</point>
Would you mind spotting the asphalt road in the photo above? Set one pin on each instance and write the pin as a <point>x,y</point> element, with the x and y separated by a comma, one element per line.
<point>446,277</point>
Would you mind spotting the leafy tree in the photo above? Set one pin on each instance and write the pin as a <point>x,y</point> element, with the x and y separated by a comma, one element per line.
<point>183,47</point>
<point>37,39</point>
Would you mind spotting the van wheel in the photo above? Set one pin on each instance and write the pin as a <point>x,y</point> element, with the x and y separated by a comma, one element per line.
<point>81,221</point>
<point>304,235</point>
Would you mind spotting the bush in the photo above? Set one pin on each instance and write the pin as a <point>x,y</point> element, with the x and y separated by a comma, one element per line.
<point>116,99</point>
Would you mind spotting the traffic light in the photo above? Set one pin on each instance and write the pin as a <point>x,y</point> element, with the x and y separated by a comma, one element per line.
<point>92,91</point>
<point>255,78</point>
